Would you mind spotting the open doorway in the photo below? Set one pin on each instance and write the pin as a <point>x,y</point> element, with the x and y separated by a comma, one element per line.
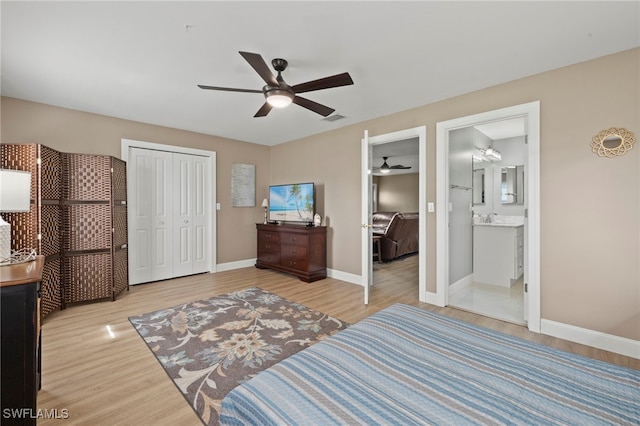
<point>459,218</point>
<point>395,199</point>
<point>381,144</point>
<point>487,171</point>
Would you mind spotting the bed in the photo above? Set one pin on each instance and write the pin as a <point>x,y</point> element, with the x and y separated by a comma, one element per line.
<point>405,365</point>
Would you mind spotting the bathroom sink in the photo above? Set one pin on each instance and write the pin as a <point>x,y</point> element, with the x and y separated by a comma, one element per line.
<point>500,224</point>
<point>500,221</point>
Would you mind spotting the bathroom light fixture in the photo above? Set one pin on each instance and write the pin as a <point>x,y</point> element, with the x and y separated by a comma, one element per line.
<point>278,98</point>
<point>493,154</point>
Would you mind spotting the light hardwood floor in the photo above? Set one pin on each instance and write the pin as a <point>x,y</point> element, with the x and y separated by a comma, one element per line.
<point>95,365</point>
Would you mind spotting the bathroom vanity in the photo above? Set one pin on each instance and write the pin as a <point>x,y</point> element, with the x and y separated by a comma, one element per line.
<point>498,253</point>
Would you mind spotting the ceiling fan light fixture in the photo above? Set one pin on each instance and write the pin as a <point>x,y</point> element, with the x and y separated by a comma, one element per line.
<point>385,167</point>
<point>278,98</point>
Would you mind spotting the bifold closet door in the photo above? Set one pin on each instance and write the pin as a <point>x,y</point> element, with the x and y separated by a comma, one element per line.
<point>190,207</point>
<point>170,215</point>
<point>151,253</point>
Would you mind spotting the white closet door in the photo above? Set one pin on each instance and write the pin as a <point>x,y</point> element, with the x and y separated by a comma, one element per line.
<point>190,213</point>
<point>150,215</point>
<point>201,215</point>
<point>140,173</point>
<point>170,215</point>
<point>183,191</point>
<point>163,221</point>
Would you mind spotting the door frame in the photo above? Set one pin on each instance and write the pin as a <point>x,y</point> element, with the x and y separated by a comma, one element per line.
<point>368,141</point>
<point>125,146</point>
<point>531,111</point>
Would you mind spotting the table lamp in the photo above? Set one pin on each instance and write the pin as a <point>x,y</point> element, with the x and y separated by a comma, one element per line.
<point>265,204</point>
<point>15,196</point>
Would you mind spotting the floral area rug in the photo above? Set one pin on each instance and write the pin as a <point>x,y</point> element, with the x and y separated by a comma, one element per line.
<point>210,346</point>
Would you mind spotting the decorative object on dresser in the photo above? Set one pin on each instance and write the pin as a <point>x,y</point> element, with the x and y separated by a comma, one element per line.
<point>294,249</point>
<point>94,218</point>
<point>39,228</point>
<point>265,205</point>
<point>15,191</point>
<point>20,334</point>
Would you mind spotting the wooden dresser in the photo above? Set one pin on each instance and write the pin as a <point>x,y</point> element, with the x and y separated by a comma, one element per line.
<point>20,330</point>
<point>294,249</point>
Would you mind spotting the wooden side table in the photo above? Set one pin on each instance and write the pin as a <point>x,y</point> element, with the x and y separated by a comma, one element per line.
<point>377,247</point>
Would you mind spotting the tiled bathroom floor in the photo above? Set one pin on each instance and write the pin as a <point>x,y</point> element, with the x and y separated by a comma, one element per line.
<point>493,301</point>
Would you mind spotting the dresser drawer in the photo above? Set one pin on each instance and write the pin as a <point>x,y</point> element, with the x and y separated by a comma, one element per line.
<point>293,251</point>
<point>297,239</point>
<point>270,246</point>
<point>294,263</point>
<point>267,257</point>
<point>267,236</point>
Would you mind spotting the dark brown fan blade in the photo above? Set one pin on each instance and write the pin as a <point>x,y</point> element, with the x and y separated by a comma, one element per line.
<point>399,167</point>
<point>261,67</point>
<point>264,110</point>
<point>313,106</point>
<point>228,89</point>
<point>337,80</point>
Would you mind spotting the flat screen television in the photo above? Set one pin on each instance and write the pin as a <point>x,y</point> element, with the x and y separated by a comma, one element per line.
<point>292,202</point>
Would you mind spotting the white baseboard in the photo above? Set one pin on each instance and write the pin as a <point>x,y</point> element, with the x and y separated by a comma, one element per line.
<point>331,273</point>
<point>460,284</point>
<point>607,342</point>
<point>220,267</point>
<point>345,276</point>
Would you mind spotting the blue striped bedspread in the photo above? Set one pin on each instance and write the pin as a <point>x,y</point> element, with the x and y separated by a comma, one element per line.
<point>404,365</point>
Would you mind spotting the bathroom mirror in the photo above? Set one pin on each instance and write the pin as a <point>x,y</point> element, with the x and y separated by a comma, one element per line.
<point>512,185</point>
<point>478,187</point>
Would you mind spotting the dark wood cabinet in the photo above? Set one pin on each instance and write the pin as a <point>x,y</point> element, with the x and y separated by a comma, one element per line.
<point>294,249</point>
<point>20,333</point>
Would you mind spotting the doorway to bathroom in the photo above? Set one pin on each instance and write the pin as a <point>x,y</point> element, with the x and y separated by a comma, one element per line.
<point>488,214</point>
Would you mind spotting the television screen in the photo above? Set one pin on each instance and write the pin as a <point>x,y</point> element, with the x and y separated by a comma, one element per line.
<point>291,203</point>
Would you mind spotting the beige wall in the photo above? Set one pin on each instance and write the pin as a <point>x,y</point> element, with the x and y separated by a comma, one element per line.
<point>590,206</point>
<point>398,192</point>
<point>74,131</point>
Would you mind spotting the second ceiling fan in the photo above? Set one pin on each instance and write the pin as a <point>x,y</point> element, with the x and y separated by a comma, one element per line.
<point>386,168</point>
<point>278,93</point>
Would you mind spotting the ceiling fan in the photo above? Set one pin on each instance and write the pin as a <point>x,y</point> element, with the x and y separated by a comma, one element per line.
<point>278,93</point>
<point>386,168</point>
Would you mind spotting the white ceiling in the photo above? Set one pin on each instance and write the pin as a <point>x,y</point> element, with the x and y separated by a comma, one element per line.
<point>142,60</point>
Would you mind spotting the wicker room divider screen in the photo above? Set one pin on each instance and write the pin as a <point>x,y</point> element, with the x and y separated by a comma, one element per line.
<point>78,221</point>
<point>39,228</point>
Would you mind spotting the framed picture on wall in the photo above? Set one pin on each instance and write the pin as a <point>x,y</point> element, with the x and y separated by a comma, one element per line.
<point>243,185</point>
